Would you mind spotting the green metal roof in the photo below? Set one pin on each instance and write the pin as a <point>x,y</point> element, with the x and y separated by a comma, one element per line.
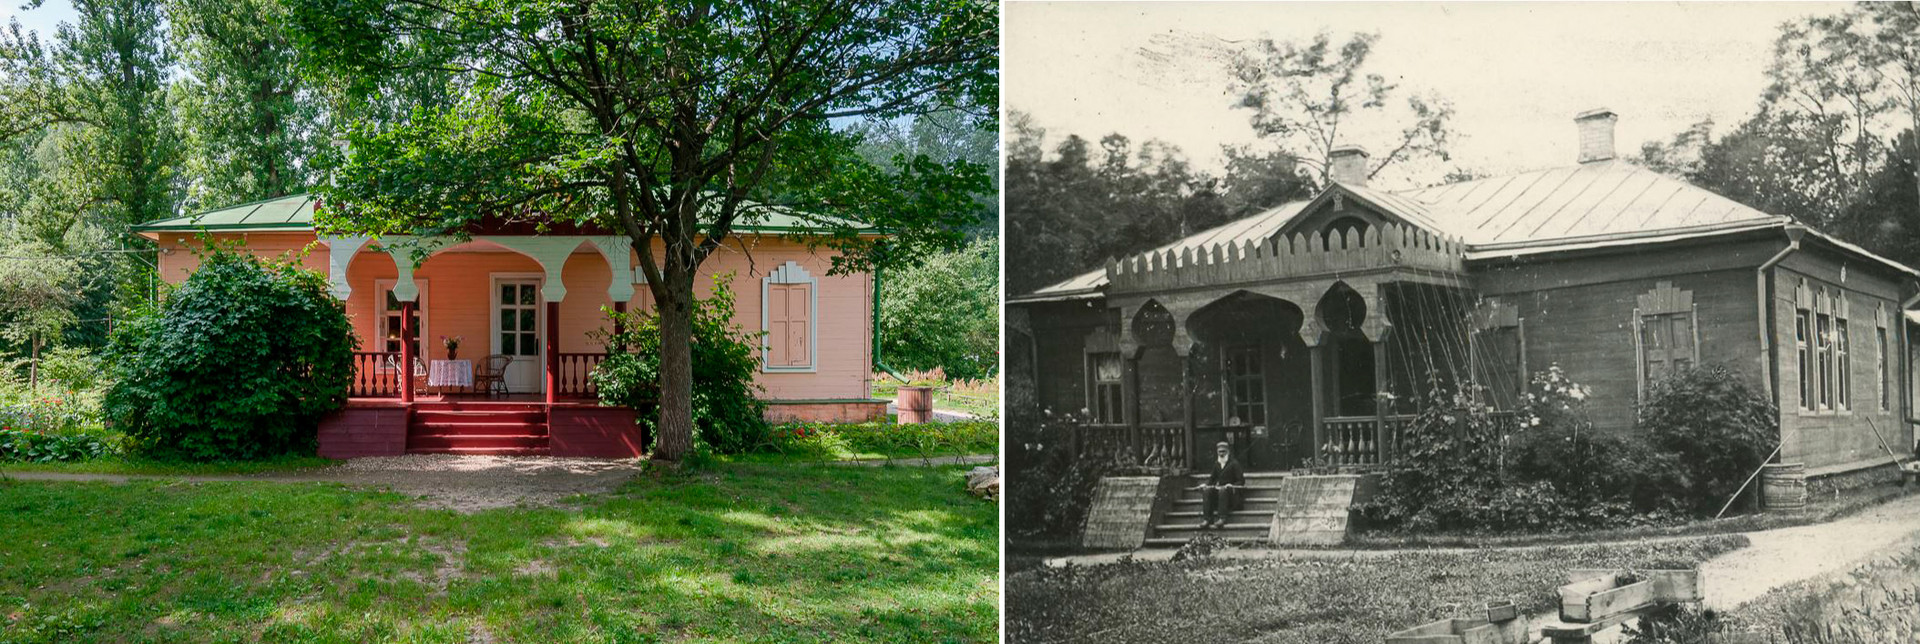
<point>292,212</point>
<point>295,213</point>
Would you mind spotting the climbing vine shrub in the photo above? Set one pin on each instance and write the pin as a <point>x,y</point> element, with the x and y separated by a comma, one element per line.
<point>239,362</point>
<point>1718,426</point>
<point>728,414</point>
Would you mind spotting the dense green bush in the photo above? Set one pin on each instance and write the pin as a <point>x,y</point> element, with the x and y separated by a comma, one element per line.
<point>836,440</point>
<point>239,362</point>
<point>1716,424</point>
<point>945,313</point>
<point>1048,489</point>
<point>1542,468</point>
<point>36,447</point>
<point>728,414</point>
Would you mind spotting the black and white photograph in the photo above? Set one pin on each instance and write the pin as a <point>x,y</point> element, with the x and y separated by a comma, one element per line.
<point>1461,322</point>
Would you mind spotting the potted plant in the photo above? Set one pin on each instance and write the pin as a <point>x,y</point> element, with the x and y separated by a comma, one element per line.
<point>453,346</point>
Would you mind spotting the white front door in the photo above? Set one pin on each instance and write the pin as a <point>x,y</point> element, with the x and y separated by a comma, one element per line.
<point>518,332</point>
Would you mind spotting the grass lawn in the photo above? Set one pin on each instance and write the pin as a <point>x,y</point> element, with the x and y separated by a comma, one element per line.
<point>752,552</point>
<point>1318,601</point>
<point>138,466</point>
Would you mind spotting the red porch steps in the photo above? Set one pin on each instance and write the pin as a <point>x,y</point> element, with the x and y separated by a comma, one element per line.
<point>493,428</point>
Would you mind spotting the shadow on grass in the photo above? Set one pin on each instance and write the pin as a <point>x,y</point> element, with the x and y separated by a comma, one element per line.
<point>751,552</point>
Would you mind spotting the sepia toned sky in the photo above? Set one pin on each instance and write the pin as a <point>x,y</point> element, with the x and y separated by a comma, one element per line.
<point>1516,72</point>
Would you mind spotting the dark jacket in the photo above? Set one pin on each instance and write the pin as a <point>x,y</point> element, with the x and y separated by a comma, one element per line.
<point>1229,474</point>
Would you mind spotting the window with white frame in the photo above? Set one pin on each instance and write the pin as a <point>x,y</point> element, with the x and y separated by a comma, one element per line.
<point>388,322</point>
<point>1842,352</point>
<point>789,299</point>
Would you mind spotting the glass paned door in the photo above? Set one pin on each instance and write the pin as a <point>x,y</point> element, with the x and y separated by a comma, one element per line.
<point>517,332</point>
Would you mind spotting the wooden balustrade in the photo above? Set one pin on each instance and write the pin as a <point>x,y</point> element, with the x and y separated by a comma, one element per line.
<point>1357,440</point>
<point>574,374</point>
<point>375,374</point>
<point>1163,444</point>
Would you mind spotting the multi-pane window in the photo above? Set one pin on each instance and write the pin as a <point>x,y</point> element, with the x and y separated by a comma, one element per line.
<point>1802,330</point>
<point>1842,349</point>
<point>1246,384</point>
<point>1880,367</point>
<point>1823,342</point>
<point>519,310</point>
<point>389,331</point>
<point>1103,399</point>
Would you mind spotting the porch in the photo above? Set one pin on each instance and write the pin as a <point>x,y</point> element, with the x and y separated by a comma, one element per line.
<point>1288,350</point>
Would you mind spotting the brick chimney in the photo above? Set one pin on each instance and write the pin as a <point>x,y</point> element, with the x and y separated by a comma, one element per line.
<point>1348,164</point>
<point>1596,134</point>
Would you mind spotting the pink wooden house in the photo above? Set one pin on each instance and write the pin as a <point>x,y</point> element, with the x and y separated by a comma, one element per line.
<point>532,304</point>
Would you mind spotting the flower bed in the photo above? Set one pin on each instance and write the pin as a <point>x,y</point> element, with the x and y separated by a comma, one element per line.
<point>877,439</point>
<point>53,427</point>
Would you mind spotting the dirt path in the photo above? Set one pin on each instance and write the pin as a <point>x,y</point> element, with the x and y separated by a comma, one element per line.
<point>1787,555</point>
<point>461,483</point>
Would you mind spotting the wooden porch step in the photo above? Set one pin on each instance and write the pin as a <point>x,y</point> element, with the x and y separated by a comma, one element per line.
<point>1195,527</point>
<point>480,405</point>
<point>473,415</point>
<point>1202,476</point>
<point>479,427</point>
<point>1175,542</point>
<point>483,451</point>
<point>1254,515</point>
<point>449,441</point>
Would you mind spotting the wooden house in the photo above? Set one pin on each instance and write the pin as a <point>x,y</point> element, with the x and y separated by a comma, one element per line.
<point>532,302</point>
<point>1308,330</point>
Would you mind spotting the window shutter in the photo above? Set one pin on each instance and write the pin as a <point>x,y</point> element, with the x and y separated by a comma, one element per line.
<point>798,324</point>
<point>788,305</point>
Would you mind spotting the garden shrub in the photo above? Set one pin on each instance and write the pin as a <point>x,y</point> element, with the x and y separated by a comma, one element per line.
<point>728,415</point>
<point>945,313</point>
<point>1048,490</point>
<point>239,362</point>
<point>1543,468</point>
<point>1716,424</point>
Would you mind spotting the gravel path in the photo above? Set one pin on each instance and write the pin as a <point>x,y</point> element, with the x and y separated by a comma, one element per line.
<point>1788,555</point>
<point>461,483</point>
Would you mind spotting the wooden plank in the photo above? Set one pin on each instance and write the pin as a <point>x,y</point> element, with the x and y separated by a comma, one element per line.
<point>1615,601</point>
<point>1446,631</point>
<point>1668,585</point>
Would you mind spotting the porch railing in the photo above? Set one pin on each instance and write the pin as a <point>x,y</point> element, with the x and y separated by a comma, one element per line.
<point>1162,444</point>
<point>375,374</point>
<point>1359,440</point>
<point>573,379</point>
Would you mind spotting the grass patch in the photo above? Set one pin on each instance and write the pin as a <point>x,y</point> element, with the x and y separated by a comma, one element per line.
<point>1299,600</point>
<point>134,465</point>
<point>739,552</point>
<point>1820,509</point>
<point>877,440</point>
<point>978,397</point>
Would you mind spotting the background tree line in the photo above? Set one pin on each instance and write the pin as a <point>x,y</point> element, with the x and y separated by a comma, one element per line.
<point>137,110</point>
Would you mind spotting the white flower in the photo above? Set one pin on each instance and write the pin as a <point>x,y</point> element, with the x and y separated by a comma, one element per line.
<point>1536,421</point>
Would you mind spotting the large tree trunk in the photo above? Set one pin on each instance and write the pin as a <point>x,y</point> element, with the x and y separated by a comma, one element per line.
<point>676,364</point>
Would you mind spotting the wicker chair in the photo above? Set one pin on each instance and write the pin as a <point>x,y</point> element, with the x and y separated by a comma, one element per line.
<point>491,374</point>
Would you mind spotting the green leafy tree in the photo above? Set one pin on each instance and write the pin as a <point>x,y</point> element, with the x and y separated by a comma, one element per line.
<point>945,313</point>
<point>672,122</point>
<point>247,117</point>
<point>728,415</point>
<point>108,72</point>
<point>240,361</point>
<point>39,293</point>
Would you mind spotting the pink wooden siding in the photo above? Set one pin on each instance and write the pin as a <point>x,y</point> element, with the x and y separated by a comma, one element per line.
<point>458,295</point>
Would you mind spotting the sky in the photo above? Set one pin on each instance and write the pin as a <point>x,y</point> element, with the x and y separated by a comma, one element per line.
<point>1515,72</point>
<point>42,19</point>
